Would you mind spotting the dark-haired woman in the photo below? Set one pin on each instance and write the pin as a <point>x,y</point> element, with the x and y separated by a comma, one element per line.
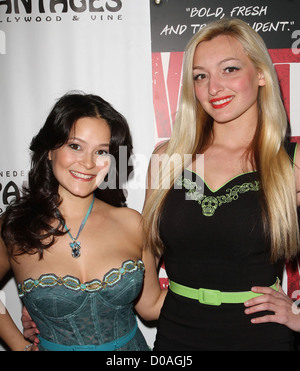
<point>75,250</point>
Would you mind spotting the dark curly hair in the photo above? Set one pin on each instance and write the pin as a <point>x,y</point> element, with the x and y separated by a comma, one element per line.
<point>27,224</point>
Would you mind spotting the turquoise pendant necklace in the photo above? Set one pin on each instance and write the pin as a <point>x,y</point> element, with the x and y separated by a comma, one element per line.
<point>76,245</point>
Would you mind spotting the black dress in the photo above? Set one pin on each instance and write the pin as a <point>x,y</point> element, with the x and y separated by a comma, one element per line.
<point>215,240</point>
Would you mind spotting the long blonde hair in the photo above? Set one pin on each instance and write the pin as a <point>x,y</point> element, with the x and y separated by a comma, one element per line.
<point>266,150</point>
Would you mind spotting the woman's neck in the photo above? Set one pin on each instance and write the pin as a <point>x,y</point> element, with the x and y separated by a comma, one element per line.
<point>74,206</point>
<point>233,134</point>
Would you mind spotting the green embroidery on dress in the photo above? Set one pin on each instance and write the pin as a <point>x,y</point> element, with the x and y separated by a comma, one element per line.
<point>209,204</point>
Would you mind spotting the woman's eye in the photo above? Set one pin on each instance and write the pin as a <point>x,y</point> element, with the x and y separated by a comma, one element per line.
<point>231,69</point>
<point>200,76</point>
<point>102,152</point>
<point>74,146</point>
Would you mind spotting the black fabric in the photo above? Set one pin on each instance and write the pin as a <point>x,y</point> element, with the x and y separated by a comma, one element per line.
<point>222,247</point>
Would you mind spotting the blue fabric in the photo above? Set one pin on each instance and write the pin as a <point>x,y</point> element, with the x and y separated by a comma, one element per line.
<point>113,345</point>
<point>69,312</point>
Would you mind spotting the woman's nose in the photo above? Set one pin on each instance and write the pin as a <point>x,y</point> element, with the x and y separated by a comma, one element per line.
<point>88,161</point>
<point>215,85</point>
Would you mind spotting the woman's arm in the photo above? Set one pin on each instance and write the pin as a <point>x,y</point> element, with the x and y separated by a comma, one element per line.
<point>152,296</point>
<point>30,331</point>
<point>9,332</point>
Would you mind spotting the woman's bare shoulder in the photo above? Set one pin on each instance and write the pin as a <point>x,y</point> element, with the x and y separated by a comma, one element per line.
<point>121,215</point>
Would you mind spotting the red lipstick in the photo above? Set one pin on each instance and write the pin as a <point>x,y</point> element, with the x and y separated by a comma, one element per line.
<point>221,102</point>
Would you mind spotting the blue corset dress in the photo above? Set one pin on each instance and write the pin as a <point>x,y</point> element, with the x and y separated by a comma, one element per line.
<point>72,313</point>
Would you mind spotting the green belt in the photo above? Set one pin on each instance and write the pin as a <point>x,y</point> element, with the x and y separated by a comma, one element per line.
<point>215,297</point>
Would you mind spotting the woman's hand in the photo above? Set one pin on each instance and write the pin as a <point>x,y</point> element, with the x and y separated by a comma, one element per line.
<point>30,330</point>
<point>284,310</point>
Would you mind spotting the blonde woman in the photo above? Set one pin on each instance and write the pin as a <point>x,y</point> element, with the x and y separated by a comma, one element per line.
<point>226,233</point>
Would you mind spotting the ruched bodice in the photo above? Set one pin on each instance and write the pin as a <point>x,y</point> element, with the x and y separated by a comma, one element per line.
<point>69,312</point>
